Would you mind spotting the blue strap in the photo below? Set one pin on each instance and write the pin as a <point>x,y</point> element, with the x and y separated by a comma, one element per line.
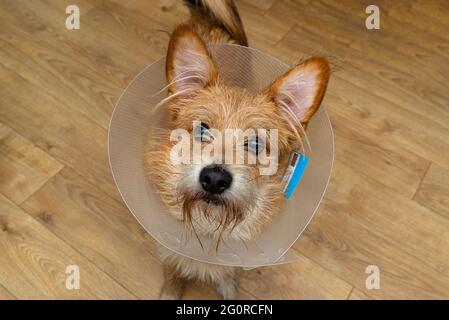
<point>296,176</point>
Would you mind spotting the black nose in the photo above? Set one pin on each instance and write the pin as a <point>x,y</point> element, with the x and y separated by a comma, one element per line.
<point>215,179</point>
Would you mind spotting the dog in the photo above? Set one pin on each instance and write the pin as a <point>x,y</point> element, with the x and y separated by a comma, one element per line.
<point>224,200</point>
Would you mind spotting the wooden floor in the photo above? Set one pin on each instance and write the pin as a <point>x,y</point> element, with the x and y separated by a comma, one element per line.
<point>387,203</point>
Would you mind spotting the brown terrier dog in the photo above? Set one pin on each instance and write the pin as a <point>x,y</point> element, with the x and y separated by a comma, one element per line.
<point>224,200</point>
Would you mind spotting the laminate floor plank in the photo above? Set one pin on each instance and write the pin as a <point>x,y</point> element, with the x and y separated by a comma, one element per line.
<point>34,262</point>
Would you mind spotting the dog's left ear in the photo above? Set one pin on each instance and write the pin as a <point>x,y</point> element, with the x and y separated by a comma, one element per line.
<point>189,66</point>
<point>301,89</point>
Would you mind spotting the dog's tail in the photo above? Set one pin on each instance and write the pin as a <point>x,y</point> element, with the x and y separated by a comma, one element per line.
<point>222,13</point>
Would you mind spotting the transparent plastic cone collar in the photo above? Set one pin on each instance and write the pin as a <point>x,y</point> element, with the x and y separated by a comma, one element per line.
<point>134,115</point>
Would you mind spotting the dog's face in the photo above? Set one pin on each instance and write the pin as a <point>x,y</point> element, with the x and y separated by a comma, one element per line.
<point>223,192</point>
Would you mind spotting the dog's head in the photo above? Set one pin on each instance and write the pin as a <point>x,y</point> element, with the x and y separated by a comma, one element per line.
<point>225,190</point>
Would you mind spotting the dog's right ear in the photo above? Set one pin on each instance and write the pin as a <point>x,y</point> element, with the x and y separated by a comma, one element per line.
<point>189,66</point>
<point>300,90</point>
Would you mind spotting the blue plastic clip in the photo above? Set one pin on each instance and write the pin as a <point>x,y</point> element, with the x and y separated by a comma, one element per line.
<point>295,170</point>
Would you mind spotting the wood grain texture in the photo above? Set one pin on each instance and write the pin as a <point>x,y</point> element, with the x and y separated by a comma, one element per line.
<point>261,4</point>
<point>362,223</point>
<point>167,13</point>
<point>302,279</point>
<point>106,232</point>
<point>55,128</point>
<point>23,167</point>
<point>34,262</point>
<point>387,203</point>
<point>433,192</point>
<point>5,294</point>
<point>358,295</point>
<point>391,113</point>
<point>89,76</point>
<point>253,18</point>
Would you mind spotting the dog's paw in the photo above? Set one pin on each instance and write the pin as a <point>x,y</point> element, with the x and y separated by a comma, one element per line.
<point>227,290</point>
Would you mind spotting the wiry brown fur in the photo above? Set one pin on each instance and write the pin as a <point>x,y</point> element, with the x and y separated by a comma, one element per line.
<point>235,108</point>
<point>217,21</point>
<point>253,200</point>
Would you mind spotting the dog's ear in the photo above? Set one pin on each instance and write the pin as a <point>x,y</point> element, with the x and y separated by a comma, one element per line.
<point>189,66</point>
<point>301,89</point>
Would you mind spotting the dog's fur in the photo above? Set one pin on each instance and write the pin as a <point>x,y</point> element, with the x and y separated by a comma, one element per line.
<point>196,92</point>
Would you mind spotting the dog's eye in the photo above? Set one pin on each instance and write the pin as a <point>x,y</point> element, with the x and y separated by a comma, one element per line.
<point>255,145</point>
<point>202,132</point>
